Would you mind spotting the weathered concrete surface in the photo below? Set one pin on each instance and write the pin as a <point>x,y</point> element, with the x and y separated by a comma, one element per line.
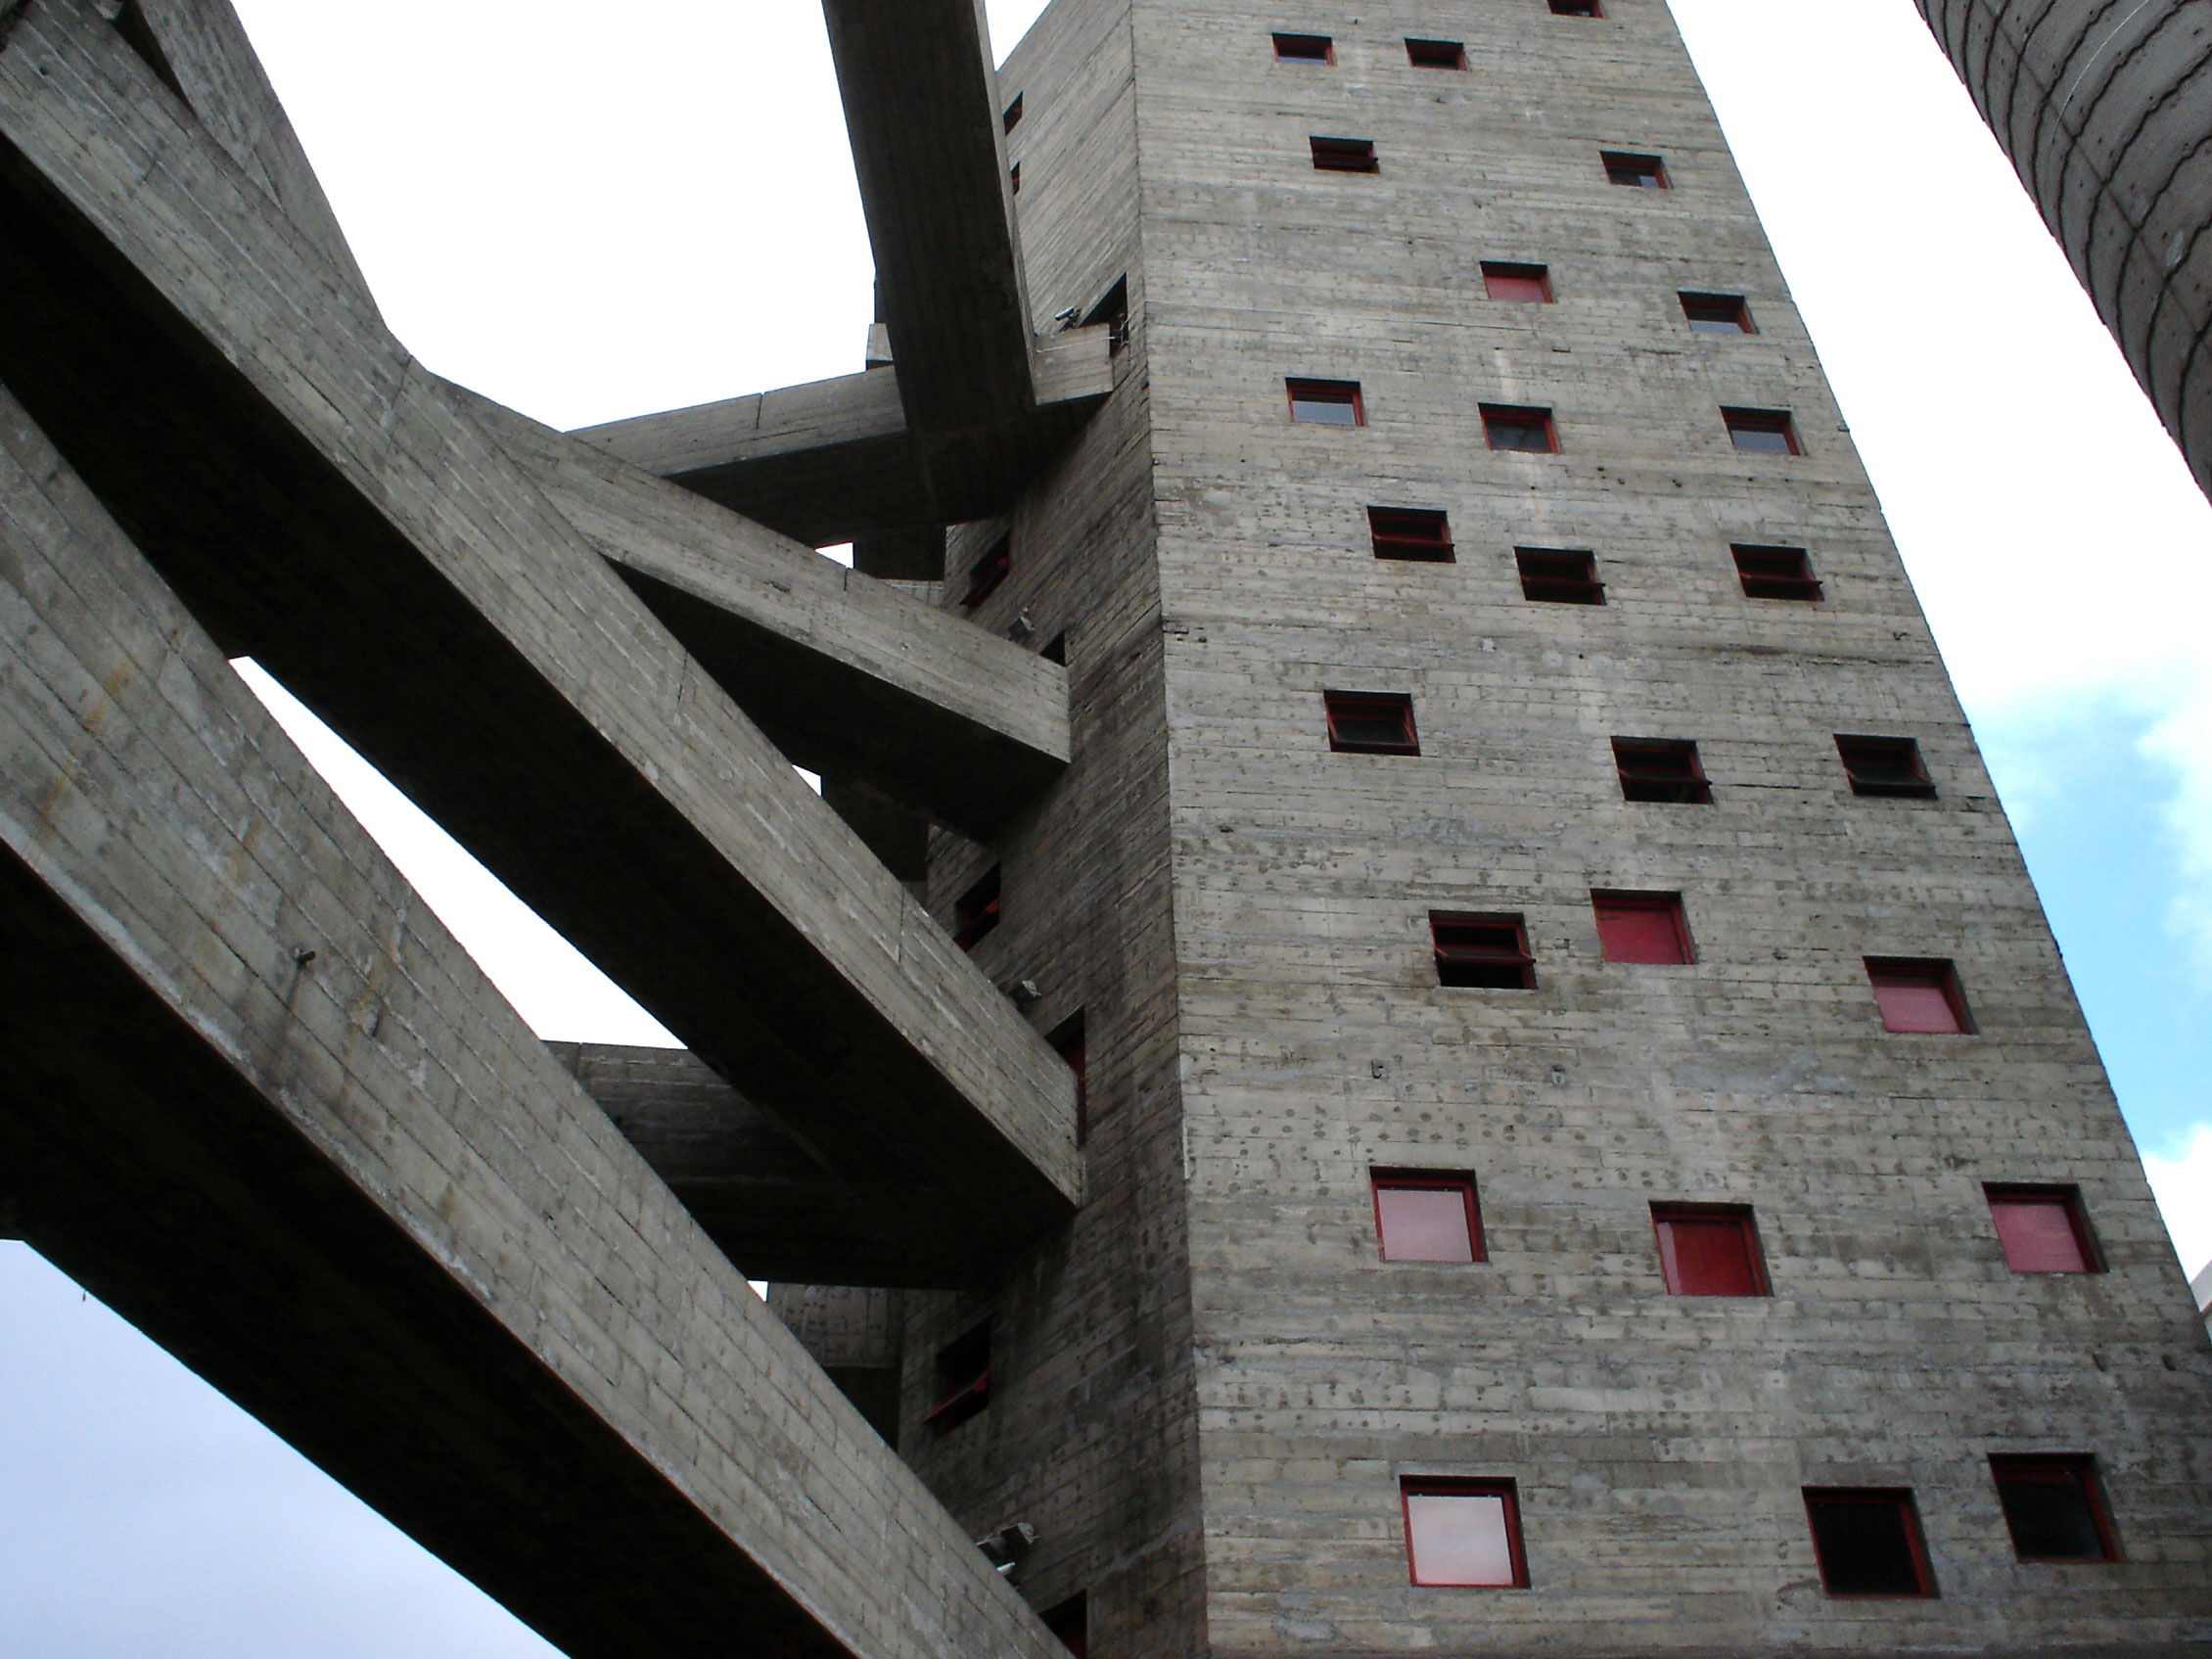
<point>255,1097</point>
<point>326,507</point>
<point>2106,112</point>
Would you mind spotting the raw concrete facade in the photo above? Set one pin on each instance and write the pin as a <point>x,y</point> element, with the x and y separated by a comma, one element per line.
<point>500,1276</point>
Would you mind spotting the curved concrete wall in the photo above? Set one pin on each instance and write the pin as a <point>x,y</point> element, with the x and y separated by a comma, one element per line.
<point>2105,109</point>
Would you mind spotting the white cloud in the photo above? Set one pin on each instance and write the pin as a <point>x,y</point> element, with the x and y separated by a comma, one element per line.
<point>2184,1187</point>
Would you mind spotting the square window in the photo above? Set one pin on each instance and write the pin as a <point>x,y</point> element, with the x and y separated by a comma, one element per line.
<point>990,570</point>
<point>976,911</point>
<point>1345,155</point>
<point>1305,49</point>
<point>1370,723</point>
<point>1867,1541</point>
<point>1427,1215</point>
<point>1436,54</point>
<point>1487,953</point>
<point>1529,284</point>
<point>1577,9</point>
<point>1776,573</point>
<point>1011,117</point>
<point>1014,179</point>
<point>2042,1229</point>
<point>1070,1621</point>
<point>2054,1509</point>
<point>1463,1532</point>
<point>1717,313</point>
<point>1638,172</point>
<point>1326,402</point>
<point>1885,765</point>
<point>1661,769</point>
<point>963,1380</point>
<point>1762,432</point>
<point>1411,533</point>
<point>1529,430</point>
<point>1067,1041</point>
<point>1642,927</point>
<point>1056,648</point>
<point>1555,576</point>
<point>1918,994</point>
<point>1709,1250</point>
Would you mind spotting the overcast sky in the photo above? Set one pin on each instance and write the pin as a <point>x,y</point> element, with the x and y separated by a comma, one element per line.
<point>588,213</point>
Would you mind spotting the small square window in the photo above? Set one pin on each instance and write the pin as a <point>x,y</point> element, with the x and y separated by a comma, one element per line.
<point>1067,1041</point>
<point>1709,1250</point>
<point>1661,769</point>
<point>1717,313</point>
<point>1011,117</point>
<point>1867,1541</point>
<point>1326,402</point>
<point>1918,996</point>
<point>1436,54</point>
<point>1305,49</point>
<point>1555,576</point>
<point>1427,1215</point>
<point>1070,1621</point>
<point>1577,9</point>
<point>1638,172</point>
<point>1056,648</point>
<point>1528,284</point>
<point>1345,155</point>
<point>976,911</point>
<point>1776,573</point>
<point>1762,432</point>
<point>1885,765</point>
<point>1411,533</point>
<point>1014,179</point>
<point>1463,1534</point>
<point>990,570</point>
<point>2042,1229</point>
<point>1484,953</point>
<point>1642,927</point>
<point>963,1380</point>
<point>2054,1509</point>
<point>1370,723</point>
<point>1530,431</point>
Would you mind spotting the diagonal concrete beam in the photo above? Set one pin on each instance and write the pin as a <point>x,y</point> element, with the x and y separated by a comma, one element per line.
<point>323,504</point>
<point>254,1096</point>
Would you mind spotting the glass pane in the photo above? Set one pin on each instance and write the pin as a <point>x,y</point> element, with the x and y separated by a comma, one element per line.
<point>1424,1223</point>
<point>1753,440</point>
<point>1914,1006</point>
<point>2050,1517</point>
<point>1864,1548</point>
<point>2038,1236</point>
<point>1458,1538</point>
<point>1326,411</point>
<point>1708,1256</point>
<point>1640,933</point>
<point>1519,435</point>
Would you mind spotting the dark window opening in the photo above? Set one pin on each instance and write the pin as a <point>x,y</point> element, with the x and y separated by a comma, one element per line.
<point>990,570</point>
<point>1918,996</point>
<point>1370,723</point>
<point>1867,1541</point>
<point>1717,313</point>
<point>1326,402</point>
<point>1577,9</point>
<point>1113,310</point>
<point>1011,117</point>
<point>1762,431</point>
<point>1411,533</point>
<point>1661,769</point>
<point>1463,1534</point>
<point>130,23</point>
<point>1482,952</point>
<point>976,911</point>
<point>1436,54</point>
<point>1056,648</point>
<point>1642,927</point>
<point>1070,1621</point>
<point>1557,575</point>
<point>1427,1215</point>
<point>1709,1250</point>
<point>1067,1041</point>
<point>1305,49</point>
<point>1528,284</point>
<point>2054,1509</point>
<point>2042,1229</point>
<point>1514,427</point>
<point>1014,179</point>
<point>1639,172</point>
<point>1885,765</point>
<point>963,1380</point>
<point>1776,573</point>
<point>1346,156</point>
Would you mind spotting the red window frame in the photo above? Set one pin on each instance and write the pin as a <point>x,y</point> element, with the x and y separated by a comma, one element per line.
<point>1635,172</point>
<point>1422,534</point>
<point>990,570</point>
<point>1326,393</point>
<point>1500,418</point>
<point>1011,117</point>
<point>1761,423</point>
<point>1459,1181</point>
<point>1487,951</point>
<point>976,912</point>
<point>1899,1501</point>
<point>1885,767</point>
<point>963,1379</point>
<point>1070,1622</point>
<point>2075,1471</point>
<point>2025,1246</point>
<point>1717,313</point>
<point>1436,54</point>
<point>1910,974</point>
<point>1067,1041</point>
<point>1625,932</point>
<point>1577,9</point>
<point>1559,575</point>
<point>1345,155</point>
<point>1776,573</point>
<point>1517,284</point>
<point>1710,1221</point>
<point>1661,769</point>
<point>1396,708</point>
<point>1305,49</point>
<point>1411,1486</point>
